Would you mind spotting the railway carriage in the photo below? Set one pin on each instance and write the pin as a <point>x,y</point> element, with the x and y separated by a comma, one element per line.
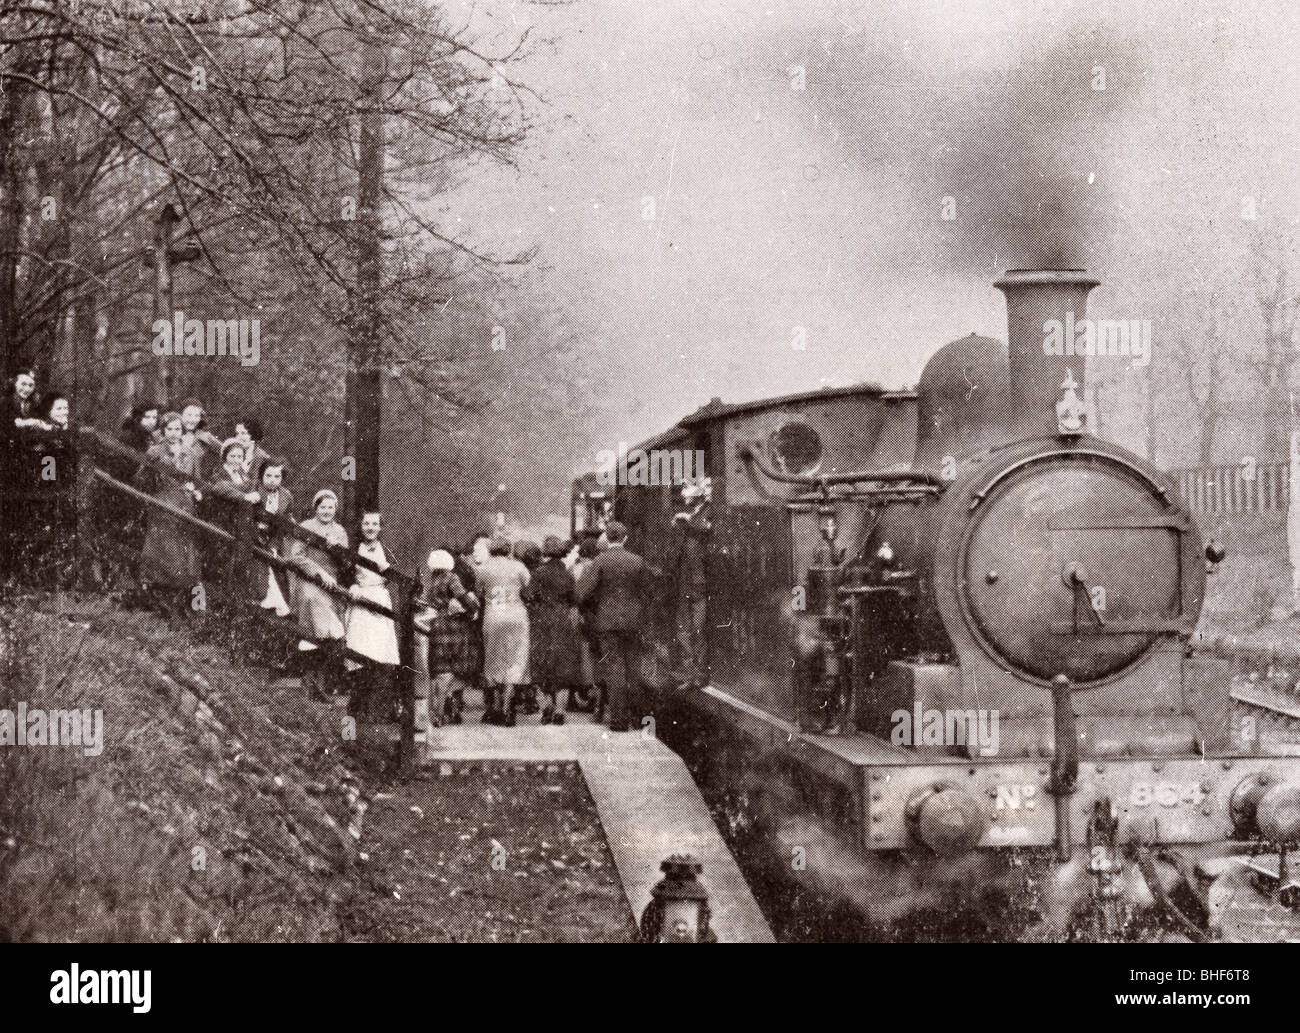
<point>948,644</point>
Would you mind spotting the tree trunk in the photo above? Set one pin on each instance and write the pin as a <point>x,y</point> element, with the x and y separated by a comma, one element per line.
<point>10,227</point>
<point>364,389</point>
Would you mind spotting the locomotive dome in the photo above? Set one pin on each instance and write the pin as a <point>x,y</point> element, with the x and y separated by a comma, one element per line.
<point>962,391</point>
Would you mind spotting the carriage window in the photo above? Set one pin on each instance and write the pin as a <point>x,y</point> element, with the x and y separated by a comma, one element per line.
<point>795,448</point>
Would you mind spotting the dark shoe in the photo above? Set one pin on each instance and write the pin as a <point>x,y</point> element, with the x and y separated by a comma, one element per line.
<point>547,716</point>
<point>489,717</point>
<point>508,721</point>
<point>558,719</point>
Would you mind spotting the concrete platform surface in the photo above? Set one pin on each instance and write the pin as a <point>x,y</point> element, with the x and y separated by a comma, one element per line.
<point>647,801</point>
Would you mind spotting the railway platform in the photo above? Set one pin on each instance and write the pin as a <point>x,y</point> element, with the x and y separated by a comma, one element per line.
<point>647,801</point>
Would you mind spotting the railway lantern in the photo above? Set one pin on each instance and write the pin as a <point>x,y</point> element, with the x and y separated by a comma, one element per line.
<point>678,911</point>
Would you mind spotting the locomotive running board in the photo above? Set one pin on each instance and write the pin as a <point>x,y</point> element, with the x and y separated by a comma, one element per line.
<point>1174,800</point>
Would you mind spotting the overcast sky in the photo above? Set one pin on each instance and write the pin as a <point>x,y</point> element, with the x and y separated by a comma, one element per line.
<point>776,208</point>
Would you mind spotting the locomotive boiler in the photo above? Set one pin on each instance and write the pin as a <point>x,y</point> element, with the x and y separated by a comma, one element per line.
<point>948,645</point>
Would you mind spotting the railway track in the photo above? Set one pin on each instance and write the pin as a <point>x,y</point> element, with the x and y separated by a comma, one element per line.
<point>1263,681</point>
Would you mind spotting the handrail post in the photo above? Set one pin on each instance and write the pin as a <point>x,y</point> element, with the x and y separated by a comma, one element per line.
<point>404,595</point>
<point>239,577</point>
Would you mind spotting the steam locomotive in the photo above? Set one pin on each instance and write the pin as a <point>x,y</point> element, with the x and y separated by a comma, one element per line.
<point>948,643</point>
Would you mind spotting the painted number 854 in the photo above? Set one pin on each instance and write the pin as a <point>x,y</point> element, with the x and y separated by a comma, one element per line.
<point>1166,794</point>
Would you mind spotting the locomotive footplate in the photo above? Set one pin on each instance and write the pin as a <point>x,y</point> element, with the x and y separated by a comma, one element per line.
<point>1155,801</point>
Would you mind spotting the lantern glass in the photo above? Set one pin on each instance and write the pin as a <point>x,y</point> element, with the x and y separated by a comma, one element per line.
<point>681,921</point>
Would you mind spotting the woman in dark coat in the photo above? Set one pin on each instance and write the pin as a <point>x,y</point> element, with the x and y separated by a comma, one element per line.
<point>231,508</point>
<point>169,561</point>
<point>277,500</point>
<point>471,556</point>
<point>552,598</point>
<point>529,553</point>
<point>119,518</point>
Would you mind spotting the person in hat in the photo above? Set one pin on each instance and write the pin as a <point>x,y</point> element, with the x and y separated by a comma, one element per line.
<point>205,445</point>
<point>552,598</point>
<point>619,586</point>
<point>693,529</point>
<point>444,648</point>
<point>584,697</point>
<point>230,507</point>
<point>315,606</point>
<point>472,555</point>
<point>529,553</point>
<point>169,559</point>
<point>501,584</point>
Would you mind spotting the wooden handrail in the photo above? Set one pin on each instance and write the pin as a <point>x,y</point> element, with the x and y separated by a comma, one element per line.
<point>101,444</point>
<point>264,616</point>
<point>221,534</point>
<point>402,614</point>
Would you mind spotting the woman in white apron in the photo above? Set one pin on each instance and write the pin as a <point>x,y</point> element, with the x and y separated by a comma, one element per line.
<point>368,633</point>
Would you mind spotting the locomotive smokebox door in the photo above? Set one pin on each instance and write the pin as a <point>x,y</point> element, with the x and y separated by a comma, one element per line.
<point>1073,564</point>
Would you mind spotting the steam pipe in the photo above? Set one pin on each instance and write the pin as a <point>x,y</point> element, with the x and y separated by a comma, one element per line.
<point>923,479</point>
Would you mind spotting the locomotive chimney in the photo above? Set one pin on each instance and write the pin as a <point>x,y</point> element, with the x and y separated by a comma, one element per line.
<point>1044,306</point>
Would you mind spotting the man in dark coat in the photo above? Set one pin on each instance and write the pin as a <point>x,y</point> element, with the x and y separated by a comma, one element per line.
<point>618,587</point>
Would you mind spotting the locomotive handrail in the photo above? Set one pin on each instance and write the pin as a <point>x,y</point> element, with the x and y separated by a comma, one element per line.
<point>924,480</point>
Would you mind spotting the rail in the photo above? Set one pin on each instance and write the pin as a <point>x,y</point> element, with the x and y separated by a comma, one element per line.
<point>402,613</point>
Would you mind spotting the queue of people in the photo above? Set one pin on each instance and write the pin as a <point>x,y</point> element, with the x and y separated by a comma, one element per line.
<point>537,629</point>
<point>522,621</point>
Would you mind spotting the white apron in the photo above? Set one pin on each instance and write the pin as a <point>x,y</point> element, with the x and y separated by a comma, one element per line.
<point>368,633</point>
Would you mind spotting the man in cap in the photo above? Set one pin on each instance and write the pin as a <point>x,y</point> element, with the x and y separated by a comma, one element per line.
<point>617,586</point>
<point>693,528</point>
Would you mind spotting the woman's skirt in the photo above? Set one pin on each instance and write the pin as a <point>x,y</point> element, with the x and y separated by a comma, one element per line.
<point>370,634</point>
<point>450,647</point>
<point>317,613</point>
<point>505,645</point>
<point>169,557</point>
<point>554,655</point>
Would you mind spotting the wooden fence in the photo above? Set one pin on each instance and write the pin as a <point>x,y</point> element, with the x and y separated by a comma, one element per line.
<point>1244,488</point>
